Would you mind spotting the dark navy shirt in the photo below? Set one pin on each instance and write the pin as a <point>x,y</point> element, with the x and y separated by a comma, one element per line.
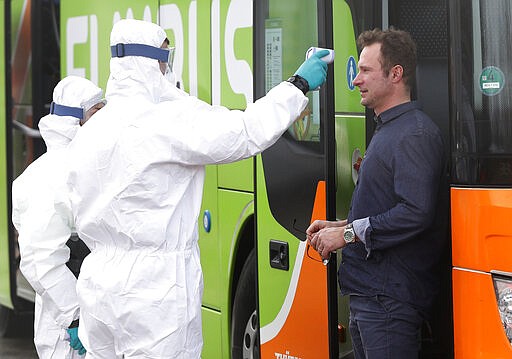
<point>400,189</point>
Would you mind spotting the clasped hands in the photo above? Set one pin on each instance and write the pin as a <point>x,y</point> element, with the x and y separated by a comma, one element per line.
<point>326,236</point>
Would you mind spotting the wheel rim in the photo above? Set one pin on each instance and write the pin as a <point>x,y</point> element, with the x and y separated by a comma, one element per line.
<point>251,342</point>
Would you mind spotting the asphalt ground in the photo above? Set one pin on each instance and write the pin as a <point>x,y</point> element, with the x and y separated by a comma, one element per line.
<point>17,348</point>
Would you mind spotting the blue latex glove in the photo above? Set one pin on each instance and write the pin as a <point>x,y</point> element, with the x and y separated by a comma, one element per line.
<point>314,70</point>
<point>74,341</point>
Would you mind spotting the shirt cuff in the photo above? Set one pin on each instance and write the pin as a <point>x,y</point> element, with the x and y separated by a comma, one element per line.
<point>360,227</point>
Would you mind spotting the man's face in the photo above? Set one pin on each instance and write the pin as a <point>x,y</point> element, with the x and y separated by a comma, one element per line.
<point>91,112</point>
<point>373,84</point>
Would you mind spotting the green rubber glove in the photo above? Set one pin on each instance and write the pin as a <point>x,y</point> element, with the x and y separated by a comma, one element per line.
<point>314,70</point>
<point>74,341</point>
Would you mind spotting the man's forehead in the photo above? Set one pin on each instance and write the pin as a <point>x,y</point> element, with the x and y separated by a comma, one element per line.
<point>372,50</point>
<point>370,56</point>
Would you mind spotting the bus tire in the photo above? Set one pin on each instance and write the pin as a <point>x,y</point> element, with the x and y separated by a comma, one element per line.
<point>245,341</point>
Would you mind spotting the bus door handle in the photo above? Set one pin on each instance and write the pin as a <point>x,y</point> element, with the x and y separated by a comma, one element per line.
<point>279,254</point>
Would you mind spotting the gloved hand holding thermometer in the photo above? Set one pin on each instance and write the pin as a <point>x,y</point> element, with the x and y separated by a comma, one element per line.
<point>328,59</point>
<point>316,58</point>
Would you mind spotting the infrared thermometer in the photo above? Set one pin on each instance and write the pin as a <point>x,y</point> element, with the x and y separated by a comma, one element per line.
<point>328,59</point>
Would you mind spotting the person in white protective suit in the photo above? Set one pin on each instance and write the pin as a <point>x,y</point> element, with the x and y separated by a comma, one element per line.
<point>44,226</point>
<point>136,186</point>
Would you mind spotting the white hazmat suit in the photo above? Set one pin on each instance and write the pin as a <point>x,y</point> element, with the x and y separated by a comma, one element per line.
<point>137,184</point>
<point>44,226</point>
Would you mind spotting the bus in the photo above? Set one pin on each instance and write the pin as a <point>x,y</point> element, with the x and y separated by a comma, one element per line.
<point>267,294</point>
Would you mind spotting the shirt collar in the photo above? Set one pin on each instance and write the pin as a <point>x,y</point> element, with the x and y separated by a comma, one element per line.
<point>397,111</point>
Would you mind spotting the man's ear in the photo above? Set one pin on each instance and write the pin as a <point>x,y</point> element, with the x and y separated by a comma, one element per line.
<point>397,73</point>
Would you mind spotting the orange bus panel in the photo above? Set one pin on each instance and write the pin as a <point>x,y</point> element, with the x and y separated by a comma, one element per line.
<point>307,323</point>
<point>482,229</point>
<point>478,331</point>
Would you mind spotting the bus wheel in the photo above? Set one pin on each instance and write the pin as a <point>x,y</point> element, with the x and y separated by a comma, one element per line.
<point>245,341</point>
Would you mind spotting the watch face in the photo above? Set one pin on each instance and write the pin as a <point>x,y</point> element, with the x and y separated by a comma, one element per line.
<point>349,235</point>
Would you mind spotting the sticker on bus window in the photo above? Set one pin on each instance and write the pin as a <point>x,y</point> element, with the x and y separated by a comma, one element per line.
<point>351,72</point>
<point>492,80</point>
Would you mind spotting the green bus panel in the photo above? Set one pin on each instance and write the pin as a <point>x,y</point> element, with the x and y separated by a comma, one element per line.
<point>238,176</point>
<point>346,95</point>
<point>230,211</point>
<point>212,334</point>
<point>5,297</point>
<point>209,240</point>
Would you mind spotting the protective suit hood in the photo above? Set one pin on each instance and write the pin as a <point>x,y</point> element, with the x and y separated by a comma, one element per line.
<point>136,75</point>
<point>58,131</point>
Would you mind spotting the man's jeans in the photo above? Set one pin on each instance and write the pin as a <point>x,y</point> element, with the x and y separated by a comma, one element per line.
<point>383,328</point>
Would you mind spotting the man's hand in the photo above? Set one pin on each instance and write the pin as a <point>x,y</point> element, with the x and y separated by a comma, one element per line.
<point>319,224</point>
<point>328,240</point>
<point>326,236</point>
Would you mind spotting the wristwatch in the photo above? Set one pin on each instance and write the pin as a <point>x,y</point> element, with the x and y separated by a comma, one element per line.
<point>74,324</point>
<point>299,82</point>
<point>349,235</point>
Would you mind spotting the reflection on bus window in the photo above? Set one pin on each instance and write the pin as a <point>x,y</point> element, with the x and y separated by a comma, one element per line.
<point>291,29</point>
<point>307,126</point>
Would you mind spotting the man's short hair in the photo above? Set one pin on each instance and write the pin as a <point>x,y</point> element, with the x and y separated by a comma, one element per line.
<point>397,48</point>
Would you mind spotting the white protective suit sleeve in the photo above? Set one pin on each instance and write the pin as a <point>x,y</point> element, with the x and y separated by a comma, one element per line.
<point>196,133</point>
<point>42,236</point>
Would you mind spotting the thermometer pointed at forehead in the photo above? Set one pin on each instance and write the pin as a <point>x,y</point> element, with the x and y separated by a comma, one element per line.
<point>327,59</point>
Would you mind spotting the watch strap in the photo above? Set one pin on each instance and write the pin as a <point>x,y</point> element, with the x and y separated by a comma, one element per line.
<point>299,82</point>
<point>74,324</point>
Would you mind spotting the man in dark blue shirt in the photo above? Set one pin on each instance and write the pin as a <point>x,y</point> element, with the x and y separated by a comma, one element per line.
<point>392,239</point>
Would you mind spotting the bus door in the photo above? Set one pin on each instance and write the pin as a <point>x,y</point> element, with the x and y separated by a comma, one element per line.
<point>306,175</point>
<point>34,70</point>
<point>481,174</point>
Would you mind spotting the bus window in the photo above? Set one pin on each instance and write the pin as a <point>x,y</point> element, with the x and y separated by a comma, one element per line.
<point>286,40</point>
<point>482,123</point>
